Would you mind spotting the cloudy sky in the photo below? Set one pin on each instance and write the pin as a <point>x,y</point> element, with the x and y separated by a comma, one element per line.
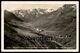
<point>29,5</point>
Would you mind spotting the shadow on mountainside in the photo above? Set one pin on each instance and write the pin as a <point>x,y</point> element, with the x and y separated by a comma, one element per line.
<point>51,30</point>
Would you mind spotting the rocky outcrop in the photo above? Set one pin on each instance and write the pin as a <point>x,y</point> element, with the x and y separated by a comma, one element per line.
<point>49,30</point>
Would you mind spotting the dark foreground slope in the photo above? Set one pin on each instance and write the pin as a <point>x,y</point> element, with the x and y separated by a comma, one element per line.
<point>63,22</point>
<point>54,30</point>
<point>18,35</point>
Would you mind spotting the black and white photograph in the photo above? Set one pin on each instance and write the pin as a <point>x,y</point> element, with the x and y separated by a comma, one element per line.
<point>50,26</point>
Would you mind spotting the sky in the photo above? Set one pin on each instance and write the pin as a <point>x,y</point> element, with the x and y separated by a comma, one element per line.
<point>30,5</point>
<point>24,5</point>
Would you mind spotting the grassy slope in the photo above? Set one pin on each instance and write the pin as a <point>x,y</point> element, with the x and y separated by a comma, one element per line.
<point>60,23</point>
